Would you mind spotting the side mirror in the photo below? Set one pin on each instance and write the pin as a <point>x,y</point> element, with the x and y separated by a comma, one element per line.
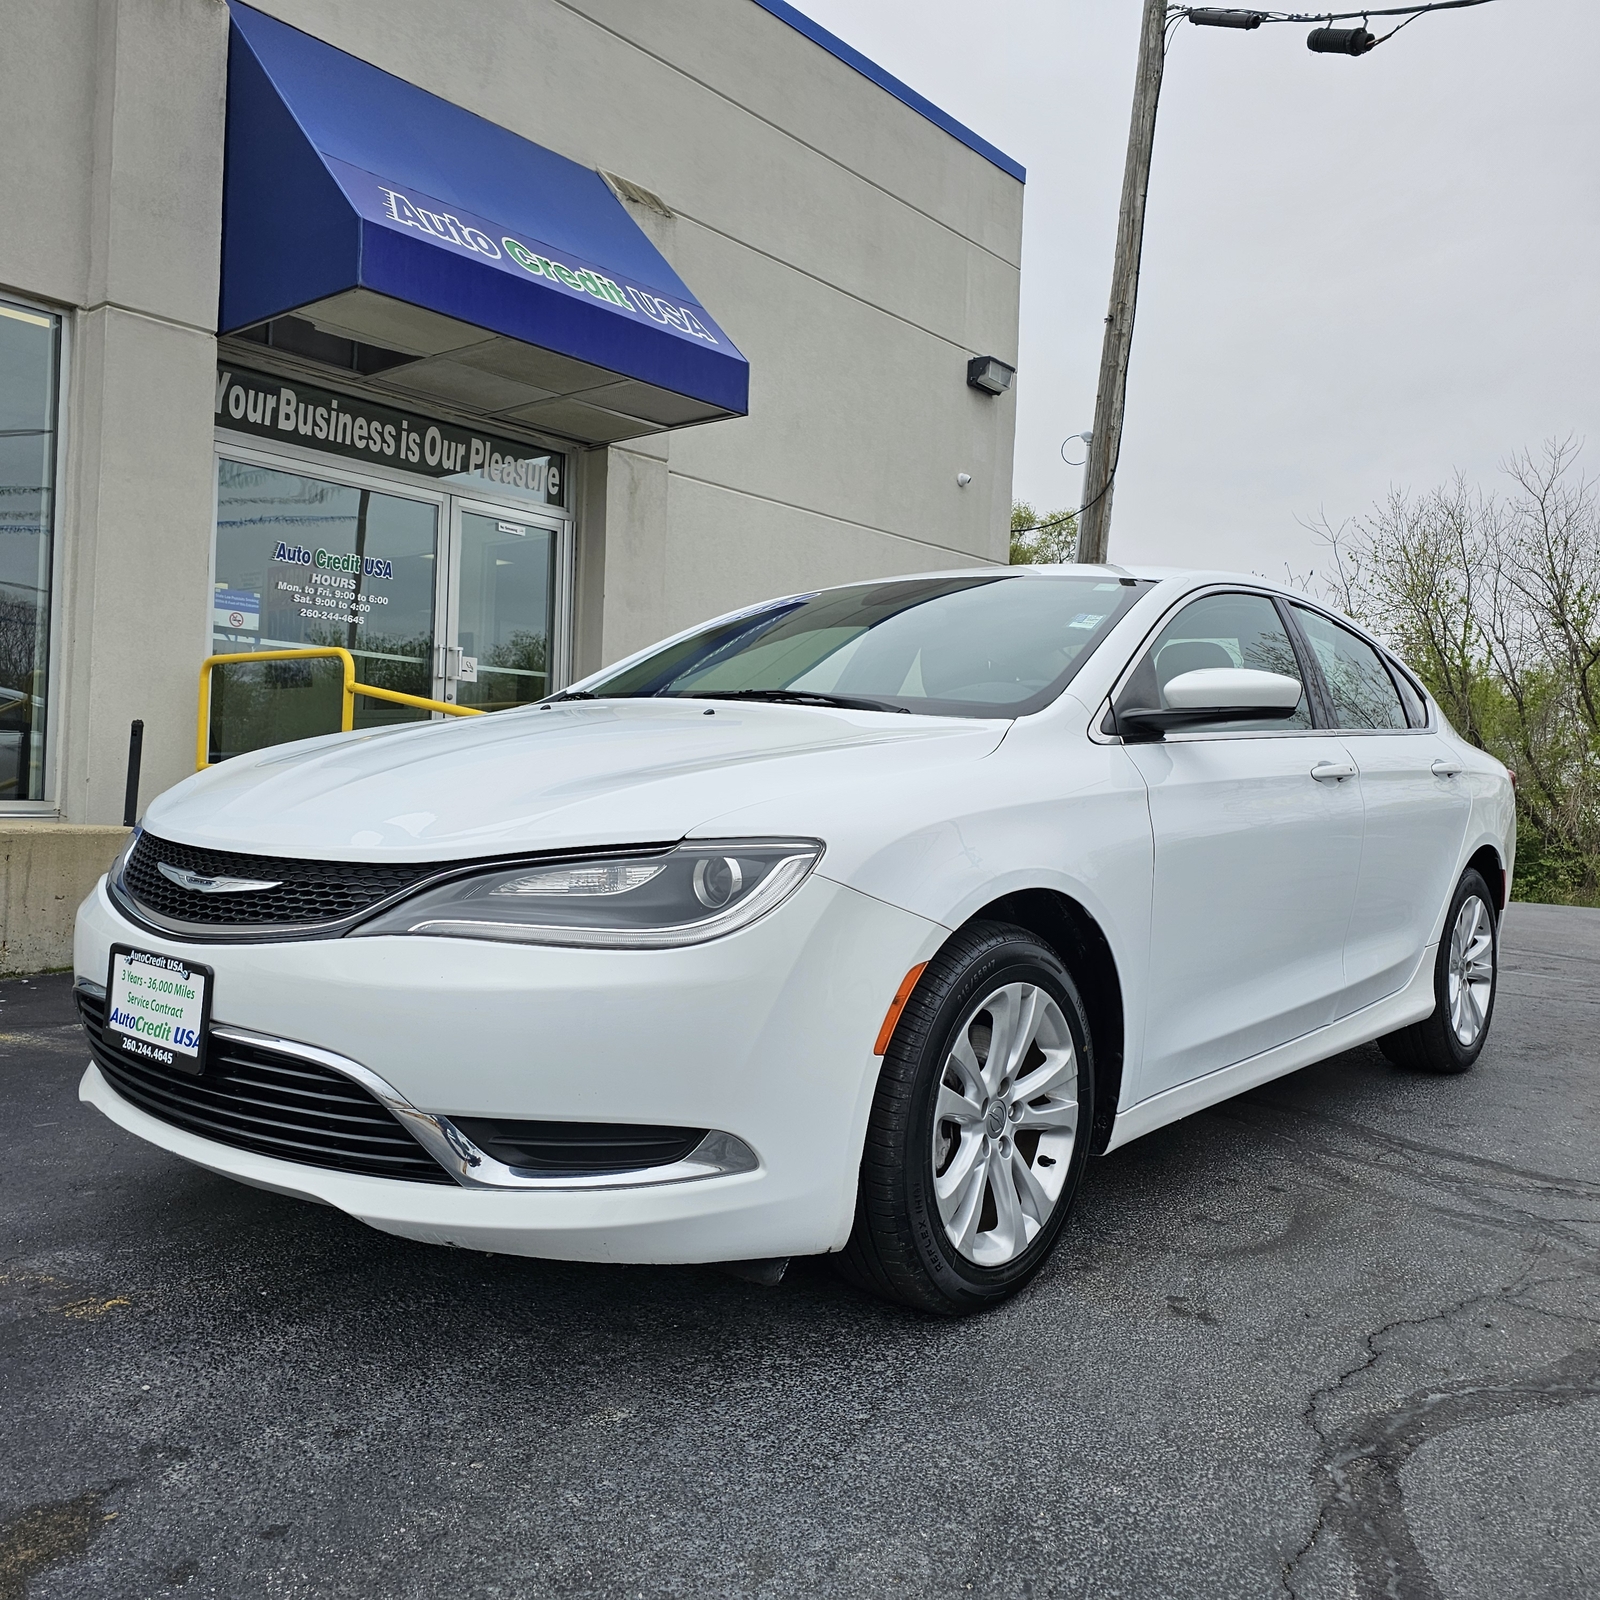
<point>1213,694</point>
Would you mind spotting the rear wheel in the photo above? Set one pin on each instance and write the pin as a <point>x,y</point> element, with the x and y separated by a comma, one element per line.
<point>1465,976</point>
<point>979,1128</point>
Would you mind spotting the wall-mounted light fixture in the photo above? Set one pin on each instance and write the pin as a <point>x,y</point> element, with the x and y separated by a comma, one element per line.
<point>990,374</point>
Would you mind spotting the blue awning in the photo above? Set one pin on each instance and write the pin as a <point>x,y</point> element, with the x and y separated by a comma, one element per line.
<point>513,277</point>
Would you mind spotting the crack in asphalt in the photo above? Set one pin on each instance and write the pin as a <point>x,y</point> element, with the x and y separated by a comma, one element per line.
<point>1358,1467</point>
<point>1360,1499</point>
<point>1363,1502</point>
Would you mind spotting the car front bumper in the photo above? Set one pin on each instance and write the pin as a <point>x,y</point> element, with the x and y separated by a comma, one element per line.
<point>766,1035</point>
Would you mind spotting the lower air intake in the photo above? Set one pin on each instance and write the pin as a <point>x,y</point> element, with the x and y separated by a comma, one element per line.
<point>578,1149</point>
<point>270,1103</point>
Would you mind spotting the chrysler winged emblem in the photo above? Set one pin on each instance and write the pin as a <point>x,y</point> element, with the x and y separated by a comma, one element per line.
<point>201,884</point>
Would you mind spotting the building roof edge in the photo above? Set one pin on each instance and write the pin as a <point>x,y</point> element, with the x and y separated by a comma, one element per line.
<point>836,47</point>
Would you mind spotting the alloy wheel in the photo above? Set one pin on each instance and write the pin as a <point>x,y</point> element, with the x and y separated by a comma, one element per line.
<point>1471,973</point>
<point>1005,1123</point>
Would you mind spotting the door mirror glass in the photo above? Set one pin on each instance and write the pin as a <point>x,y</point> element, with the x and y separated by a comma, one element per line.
<point>1223,664</point>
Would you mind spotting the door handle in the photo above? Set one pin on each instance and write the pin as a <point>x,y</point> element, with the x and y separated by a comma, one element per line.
<point>1332,771</point>
<point>1444,769</point>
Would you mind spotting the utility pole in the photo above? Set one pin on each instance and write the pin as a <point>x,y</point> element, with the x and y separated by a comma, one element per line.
<point>1094,521</point>
<point>1105,443</point>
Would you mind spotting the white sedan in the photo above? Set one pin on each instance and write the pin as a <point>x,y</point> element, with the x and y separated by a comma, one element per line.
<point>854,922</point>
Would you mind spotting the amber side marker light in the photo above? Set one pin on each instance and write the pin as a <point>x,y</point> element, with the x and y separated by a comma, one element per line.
<point>896,1006</point>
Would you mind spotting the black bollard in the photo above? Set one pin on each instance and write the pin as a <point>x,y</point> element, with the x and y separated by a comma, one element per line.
<point>130,803</point>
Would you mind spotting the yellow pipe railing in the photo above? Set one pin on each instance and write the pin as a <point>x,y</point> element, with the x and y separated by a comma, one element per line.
<point>348,692</point>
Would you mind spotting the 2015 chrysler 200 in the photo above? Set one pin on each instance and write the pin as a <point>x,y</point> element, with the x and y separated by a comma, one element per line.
<point>854,922</point>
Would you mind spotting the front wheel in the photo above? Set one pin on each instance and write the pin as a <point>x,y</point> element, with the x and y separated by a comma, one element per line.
<point>979,1128</point>
<point>1466,974</point>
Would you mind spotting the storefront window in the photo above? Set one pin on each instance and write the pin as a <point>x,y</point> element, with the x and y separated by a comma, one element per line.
<point>306,561</point>
<point>29,362</point>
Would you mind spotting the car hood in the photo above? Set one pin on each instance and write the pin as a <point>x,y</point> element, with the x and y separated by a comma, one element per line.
<point>550,777</point>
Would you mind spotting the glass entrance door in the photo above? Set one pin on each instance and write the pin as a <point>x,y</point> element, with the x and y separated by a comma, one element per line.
<point>305,560</point>
<point>503,604</point>
<point>432,594</point>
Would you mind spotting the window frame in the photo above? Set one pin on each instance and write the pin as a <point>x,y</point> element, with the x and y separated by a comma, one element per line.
<point>49,803</point>
<point>1398,669</point>
<point>1291,605</point>
<point>1310,675</point>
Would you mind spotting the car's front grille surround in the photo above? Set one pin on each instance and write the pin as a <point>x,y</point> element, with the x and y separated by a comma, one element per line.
<point>262,1100</point>
<point>309,899</point>
<point>306,893</point>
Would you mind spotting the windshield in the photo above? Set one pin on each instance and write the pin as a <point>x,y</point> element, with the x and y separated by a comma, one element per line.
<point>989,645</point>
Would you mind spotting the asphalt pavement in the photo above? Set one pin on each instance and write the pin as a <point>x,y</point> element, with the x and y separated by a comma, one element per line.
<point>1338,1337</point>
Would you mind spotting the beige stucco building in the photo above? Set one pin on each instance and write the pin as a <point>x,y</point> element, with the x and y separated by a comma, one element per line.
<point>746,375</point>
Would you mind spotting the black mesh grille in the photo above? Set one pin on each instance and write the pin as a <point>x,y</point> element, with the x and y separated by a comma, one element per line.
<point>273,1104</point>
<point>575,1148</point>
<point>308,892</point>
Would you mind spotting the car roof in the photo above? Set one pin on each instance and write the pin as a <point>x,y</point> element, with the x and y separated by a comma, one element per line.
<point>1187,576</point>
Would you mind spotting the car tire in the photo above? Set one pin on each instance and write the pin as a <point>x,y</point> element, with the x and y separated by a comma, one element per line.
<point>958,1165</point>
<point>1466,979</point>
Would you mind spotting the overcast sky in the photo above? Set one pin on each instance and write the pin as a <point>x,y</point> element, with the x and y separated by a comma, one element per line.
<point>1357,272</point>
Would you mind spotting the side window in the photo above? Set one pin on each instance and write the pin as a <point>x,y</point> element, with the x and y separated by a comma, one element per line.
<point>1219,630</point>
<point>1364,695</point>
<point>1416,706</point>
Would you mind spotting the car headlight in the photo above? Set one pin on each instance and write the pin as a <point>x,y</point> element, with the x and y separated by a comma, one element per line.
<point>697,891</point>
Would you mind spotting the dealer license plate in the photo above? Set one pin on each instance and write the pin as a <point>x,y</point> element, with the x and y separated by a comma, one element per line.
<point>158,1008</point>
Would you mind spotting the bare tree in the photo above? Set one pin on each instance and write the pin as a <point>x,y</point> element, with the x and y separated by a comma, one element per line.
<point>1495,601</point>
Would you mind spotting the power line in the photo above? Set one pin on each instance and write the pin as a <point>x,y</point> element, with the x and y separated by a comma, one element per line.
<point>1328,16</point>
<point>1324,40</point>
<point>1060,519</point>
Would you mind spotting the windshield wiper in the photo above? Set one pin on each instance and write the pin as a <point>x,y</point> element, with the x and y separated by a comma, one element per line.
<point>571,694</point>
<point>795,697</point>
